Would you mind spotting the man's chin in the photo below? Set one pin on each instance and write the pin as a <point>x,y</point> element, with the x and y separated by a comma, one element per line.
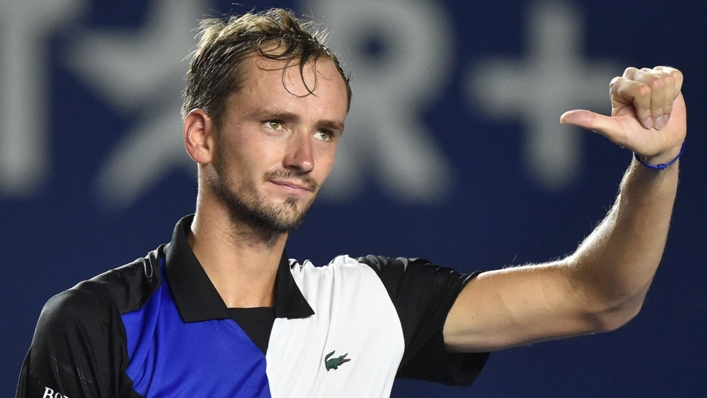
<point>282,219</point>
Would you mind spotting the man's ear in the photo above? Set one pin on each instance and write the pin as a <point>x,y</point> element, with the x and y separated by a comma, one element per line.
<point>199,134</point>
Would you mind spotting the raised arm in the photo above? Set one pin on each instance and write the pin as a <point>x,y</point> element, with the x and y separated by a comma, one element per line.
<point>602,285</point>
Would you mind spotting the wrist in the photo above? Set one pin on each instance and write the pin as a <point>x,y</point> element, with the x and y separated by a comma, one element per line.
<point>661,161</point>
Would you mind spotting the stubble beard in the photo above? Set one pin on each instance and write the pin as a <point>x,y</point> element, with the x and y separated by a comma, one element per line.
<point>245,208</point>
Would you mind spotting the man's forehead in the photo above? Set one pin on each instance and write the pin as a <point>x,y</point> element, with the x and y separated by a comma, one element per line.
<point>290,66</point>
<point>269,85</point>
<point>297,80</point>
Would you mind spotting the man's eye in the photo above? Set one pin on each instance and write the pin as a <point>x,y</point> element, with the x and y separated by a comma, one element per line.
<point>323,135</point>
<point>272,124</point>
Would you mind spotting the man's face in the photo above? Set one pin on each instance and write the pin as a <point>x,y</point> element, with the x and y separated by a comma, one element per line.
<point>278,142</point>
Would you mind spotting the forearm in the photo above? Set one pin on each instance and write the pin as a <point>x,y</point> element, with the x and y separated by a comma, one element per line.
<point>598,288</point>
<point>614,266</point>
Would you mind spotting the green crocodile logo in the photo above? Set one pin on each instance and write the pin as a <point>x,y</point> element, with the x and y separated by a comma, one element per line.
<point>334,363</point>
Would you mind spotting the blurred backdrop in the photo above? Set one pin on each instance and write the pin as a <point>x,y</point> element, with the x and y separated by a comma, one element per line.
<point>453,152</point>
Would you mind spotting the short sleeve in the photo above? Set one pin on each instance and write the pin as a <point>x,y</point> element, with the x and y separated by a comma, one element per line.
<point>77,350</point>
<point>423,294</point>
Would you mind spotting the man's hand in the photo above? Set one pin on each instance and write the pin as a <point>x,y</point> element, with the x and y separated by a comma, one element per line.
<point>648,113</point>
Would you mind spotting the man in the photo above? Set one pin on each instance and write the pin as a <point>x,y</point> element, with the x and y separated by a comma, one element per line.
<point>220,311</point>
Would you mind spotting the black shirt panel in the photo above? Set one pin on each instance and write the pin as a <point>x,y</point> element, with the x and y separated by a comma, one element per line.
<point>130,286</point>
<point>196,297</point>
<point>256,322</point>
<point>289,300</point>
<point>77,350</point>
<point>423,294</point>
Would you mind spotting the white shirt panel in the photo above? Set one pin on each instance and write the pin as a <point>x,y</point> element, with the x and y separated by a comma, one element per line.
<point>354,316</point>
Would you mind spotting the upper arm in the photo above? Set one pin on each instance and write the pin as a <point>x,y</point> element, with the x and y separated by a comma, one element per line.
<point>522,305</point>
<point>76,349</point>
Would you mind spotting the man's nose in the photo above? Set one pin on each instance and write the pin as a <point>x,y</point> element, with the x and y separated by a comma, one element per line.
<point>299,153</point>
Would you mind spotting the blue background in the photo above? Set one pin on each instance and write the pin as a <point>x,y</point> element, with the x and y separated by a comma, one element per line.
<point>494,213</point>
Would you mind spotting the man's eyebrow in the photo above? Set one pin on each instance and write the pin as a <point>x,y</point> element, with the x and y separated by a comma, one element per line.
<point>332,125</point>
<point>273,114</point>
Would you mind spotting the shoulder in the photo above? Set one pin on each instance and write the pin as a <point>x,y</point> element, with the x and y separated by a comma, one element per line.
<point>339,264</point>
<point>344,261</point>
<point>122,289</point>
<point>72,307</point>
<point>341,268</point>
<point>382,263</point>
<point>419,272</point>
<point>129,286</point>
<point>391,270</point>
<point>339,284</point>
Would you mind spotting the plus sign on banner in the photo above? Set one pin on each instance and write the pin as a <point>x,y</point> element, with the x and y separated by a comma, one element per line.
<point>541,84</point>
<point>453,151</point>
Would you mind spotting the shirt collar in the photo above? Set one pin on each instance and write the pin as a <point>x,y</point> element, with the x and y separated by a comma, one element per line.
<point>196,297</point>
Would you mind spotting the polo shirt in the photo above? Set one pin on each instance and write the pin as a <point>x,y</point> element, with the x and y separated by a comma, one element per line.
<point>157,327</point>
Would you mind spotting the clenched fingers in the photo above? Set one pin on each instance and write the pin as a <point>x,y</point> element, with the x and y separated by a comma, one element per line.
<point>650,92</point>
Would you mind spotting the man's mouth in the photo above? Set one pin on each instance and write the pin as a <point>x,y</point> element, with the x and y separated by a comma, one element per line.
<point>293,185</point>
<point>291,181</point>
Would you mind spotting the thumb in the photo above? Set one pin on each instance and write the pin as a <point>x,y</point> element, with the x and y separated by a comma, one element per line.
<point>590,121</point>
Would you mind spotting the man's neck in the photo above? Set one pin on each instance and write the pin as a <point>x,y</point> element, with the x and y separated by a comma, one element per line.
<point>240,262</point>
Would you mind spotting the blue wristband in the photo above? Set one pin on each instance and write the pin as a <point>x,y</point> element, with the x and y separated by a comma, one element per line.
<point>661,166</point>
